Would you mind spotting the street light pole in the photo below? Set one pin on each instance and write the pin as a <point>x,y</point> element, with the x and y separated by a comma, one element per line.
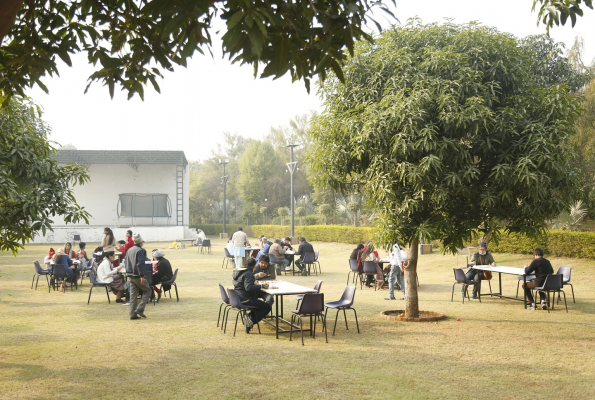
<point>224,180</point>
<point>291,167</point>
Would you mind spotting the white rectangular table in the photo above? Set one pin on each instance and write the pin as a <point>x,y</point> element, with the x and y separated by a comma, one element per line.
<point>284,289</point>
<point>505,270</point>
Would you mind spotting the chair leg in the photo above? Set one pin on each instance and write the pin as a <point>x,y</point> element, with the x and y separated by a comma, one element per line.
<point>291,327</point>
<point>302,328</point>
<point>345,315</point>
<point>37,282</point>
<point>518,283</point>
<point>324,328</point>
<point>348,277</point>
<point>219,316</point>
<point>336,316</point>
<point>107,293</point>
<point>356,323</point>
<point>32,281</point>
<point>452,296</point>
<point>90,295</point>
<point>236,326</point>
<point>226,318</point>
<point>571,288</point>
<point>48,281</point>
<point>564,293</point>
<point>177,297</point>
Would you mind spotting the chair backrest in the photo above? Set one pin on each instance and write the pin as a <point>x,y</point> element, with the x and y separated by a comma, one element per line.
<point>173,279</point>
<point>369,267</point>
<point>353,265</point>
<point>272,259</point>
<point>460,275</point>
<point>76,238</point>
<point>308,258</point>
<point>317,286</point>
<point>312,303</point>
<point>38,268</point>
<point>91,263</point>
<point>553,282</point>
<point>224,296</point>
<point>565,272</point>
<point>59,270</point>
<point>227,252</point>
<point>316,255</point>
<point>234,299</point>
<point>206,242</point>
<point>348,295</point>
<point>94,280</point>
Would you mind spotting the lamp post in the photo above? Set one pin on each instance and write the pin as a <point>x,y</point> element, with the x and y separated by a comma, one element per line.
<point>291,166</point>
<point>224,180</point>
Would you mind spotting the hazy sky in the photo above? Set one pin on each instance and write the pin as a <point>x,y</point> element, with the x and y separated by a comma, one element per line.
<point>197,104</point>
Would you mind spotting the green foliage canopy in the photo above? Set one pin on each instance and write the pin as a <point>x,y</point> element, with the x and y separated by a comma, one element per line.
<point>556,12</point>
<point>448,132</point>
<point>33,188</point>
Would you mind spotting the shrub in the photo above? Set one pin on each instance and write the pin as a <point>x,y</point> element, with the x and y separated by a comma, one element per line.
<point>321,233</point>
<point>216,229</point>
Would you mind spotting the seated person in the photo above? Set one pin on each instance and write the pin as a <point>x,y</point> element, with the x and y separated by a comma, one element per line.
<point>304,248</point>
<point>66,261</point>
<point>82,254</point>
<point>48,259</point>
<point>370,254</point>
<point>541,268</point>
<point>249,293</point>
<point>164,272</point>
<point>265,272</point>
<point>481,257</point>
<point>279,252</point>
<point>107,273</point>
<point>68,251</point>
<point>265,248</point>
<point>287,245</point>
<point>121,247</point>
<point>98,254</point>
<point>356,252</point>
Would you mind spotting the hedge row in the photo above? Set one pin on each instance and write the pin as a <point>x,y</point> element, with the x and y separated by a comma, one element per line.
<point>318,233</point>
<point>556,243</point>
<point>215,229</point>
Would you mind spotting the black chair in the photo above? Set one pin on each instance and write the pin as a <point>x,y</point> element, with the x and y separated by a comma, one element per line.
<point>312,306</point>
<point>76,238</point>
<point>299,297</point>
<point>345,303</point>
<point>96,283</point>
<point>227,258</point>
<point>369,268</point>
<point>565,272</point>
<point>317,263</point>
<point>206,243</point>
<point>308,260</point>
<point>59,272</point>
<point>224,302</point>
<point>520,278</point>
<point>356,275</point>
<point>40,272</point>
<point>171,282</point>
<point>553,284</point>
<point>237,305</point>
<point>461,279</point>
<point>273,260</point>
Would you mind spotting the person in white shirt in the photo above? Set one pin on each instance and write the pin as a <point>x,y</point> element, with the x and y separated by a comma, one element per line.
<point>107,274</point>
<point>397,257</point>
<point>239,240</point>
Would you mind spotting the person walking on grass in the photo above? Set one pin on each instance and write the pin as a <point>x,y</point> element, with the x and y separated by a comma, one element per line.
<point>396,265</point>
<point>139,275</point>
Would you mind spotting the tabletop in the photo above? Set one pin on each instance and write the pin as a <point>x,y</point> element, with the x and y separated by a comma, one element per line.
<point>289,252</point>
<point>384,260</point>
<point>252,248</point>
<point>285,287</point>
<point>501,268</point>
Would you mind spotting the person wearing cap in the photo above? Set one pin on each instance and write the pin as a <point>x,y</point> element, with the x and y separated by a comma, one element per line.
<point>249,293</point>
<point>481,257</point>
<point>139,275</point>
<point>164,272</point>
<point>240,241</point>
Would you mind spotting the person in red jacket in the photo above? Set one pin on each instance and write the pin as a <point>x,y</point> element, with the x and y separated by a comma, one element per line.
<point>129,242</point>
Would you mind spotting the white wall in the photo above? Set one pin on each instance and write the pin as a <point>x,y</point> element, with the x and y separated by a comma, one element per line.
<point>95,234</point>
<point>100,195</point>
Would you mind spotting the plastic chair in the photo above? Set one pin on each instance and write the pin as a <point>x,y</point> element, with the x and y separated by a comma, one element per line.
<point>312,306</point>
<point>519,279</point>
<point>171,282</point>
<point>369,268</point>
<point>308,260</point>
<point>59,271</point>
<point>227,258</point>
<point>96,283</point>
<point>40,272</point>
<point>206,243</point>
<point>345,303</point>
<point>317,263</point>
<point>553,283</point>
<point>461,279</point>
<point>237,305</point>
<point>565,272</point>
<point>299,297</point>
<point>224,302</point>
<point>90,267</point>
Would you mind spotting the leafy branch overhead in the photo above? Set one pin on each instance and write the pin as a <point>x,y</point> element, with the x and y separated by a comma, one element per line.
<point>132,42</point>
<point>557,12</point>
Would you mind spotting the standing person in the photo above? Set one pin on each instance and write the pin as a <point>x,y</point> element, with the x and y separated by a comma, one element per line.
<point>68,250</point>
<point>304,248</point>
<point>164,272</point>
<point>240,241</point>
<point>541,268</point>
<point>279,252</point>
<point>106,273</point>
<point>138,274</point>
<point>481,257</point>
<point>109,241</point>
<point>249,293</point>
<point>396,267</point>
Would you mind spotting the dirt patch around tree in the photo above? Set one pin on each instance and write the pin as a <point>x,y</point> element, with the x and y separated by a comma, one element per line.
<point>424,316</point>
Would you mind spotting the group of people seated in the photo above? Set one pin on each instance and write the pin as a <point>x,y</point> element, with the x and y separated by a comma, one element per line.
<point>397,259</point>
<point>278,248</point>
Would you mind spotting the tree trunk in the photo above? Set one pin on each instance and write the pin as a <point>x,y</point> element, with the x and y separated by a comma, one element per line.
<point>411,300</point>
<point>8,13</point>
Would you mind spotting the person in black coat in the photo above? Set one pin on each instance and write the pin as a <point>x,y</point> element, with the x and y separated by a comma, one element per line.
<point>249,293</point>
<point>164,272</point>
<point>304,248</point>
<point>541,268</point>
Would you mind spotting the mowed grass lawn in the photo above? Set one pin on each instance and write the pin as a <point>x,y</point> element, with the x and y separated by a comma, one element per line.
<point>54,345</point>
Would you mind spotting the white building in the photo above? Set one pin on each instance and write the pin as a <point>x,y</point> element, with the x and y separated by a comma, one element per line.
<point>146,191</point>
